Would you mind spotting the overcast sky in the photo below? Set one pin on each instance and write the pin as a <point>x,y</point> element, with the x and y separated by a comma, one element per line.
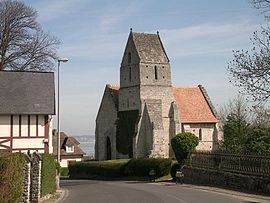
<point>198,36</point>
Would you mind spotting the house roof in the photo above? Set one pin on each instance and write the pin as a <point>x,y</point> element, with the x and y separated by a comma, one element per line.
<point>194,106</point>
<point>149,47</point>
<point>193,103</point>
<point>66,141</point>
<point>27,93</point>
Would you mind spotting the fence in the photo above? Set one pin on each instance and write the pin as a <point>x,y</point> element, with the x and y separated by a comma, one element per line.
<point>237,163</point>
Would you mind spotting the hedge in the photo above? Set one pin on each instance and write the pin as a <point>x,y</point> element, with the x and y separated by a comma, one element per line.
<point>48,174</point>
<point>64,171</point>
<point>142,166</point>
<point>11,177</point>
<point>91,169</point>
<point>119,168</point>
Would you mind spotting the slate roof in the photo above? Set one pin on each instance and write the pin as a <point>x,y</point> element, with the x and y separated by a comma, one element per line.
<point>149,47</point>
<point>27,93</point>
<point>66,141</point>
<point>193,105</point>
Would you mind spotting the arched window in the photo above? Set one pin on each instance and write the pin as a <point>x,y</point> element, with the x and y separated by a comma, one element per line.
<point>129,57</point>
<point>156,76</point>
<point>200,134</point>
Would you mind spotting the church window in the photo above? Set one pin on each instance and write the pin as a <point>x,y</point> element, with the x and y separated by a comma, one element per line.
<point>129,57</point>
<point>200,134</point>
<point>156,72</point>
<point>129,74</point>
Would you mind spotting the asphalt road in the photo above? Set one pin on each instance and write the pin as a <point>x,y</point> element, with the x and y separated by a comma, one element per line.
<point>80,191</point>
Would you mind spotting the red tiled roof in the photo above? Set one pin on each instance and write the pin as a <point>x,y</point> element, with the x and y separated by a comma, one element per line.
<point>193,106</point>
<point>115,87</point>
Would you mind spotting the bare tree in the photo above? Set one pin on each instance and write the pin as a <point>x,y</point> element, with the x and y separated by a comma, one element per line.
<point>250,70</point>
<point>23,44</point>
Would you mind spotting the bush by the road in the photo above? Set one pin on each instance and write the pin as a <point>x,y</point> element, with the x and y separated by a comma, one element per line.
<point>64,171</point>
<point>90,169</point>
<point>142,166</point>
<point>11,177</point>
<point>48,174</point>
<point>183,144</point>
<point>119,168</point>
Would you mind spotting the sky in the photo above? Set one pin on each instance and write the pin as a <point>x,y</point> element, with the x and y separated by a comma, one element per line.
<point>198,36</point>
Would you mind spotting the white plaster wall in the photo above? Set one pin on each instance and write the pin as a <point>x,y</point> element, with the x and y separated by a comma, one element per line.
<point>24,126</point>
<point>33,126</point>
<point>64,162</point>
<point>41,125</point>
<point>4,126</point>
<point>28,143</point>
<point>15,126</point>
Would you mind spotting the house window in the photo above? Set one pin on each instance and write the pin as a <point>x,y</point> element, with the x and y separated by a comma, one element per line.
<point>156,72</point>
<point>200,134</point>
<point>70,149</point>
<point>129,57</point>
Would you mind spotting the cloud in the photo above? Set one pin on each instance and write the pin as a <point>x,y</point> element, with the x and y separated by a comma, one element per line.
<point>208,38</point>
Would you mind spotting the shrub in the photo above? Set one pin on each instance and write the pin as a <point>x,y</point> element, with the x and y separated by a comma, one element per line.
<point>112,169</point>
<point>64,171</point>
<point>183,144</point>
<point>48,174</point>
<point>142,166</point>
<point>11,177</point>
<point>174,167</point>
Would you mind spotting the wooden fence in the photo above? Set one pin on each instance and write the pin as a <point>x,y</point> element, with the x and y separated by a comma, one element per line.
<point>236,163</point>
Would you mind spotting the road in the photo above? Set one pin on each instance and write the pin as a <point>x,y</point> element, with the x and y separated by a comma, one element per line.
<point>80,191</point>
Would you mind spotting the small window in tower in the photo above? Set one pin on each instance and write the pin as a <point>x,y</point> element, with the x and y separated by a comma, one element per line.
<point>200,134</point>
<point>156,72</point>
<point>129,57</point>
<point>162,66</point>
<point>163,76</point>
<point>147,77</point>
<point>129,74</point>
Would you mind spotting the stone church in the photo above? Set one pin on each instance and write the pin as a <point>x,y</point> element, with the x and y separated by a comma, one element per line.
<point>141,116</point>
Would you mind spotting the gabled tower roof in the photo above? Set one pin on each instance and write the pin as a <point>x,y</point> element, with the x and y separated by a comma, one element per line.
<point>149,47</point>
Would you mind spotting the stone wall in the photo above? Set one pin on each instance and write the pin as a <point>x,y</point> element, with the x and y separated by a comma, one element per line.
<point>26,180</point>
<point>236,181</point>
<point>35,178</point>
<point>208,132</point>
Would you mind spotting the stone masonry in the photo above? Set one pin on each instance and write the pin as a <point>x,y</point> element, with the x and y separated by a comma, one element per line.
<point>164,110</point>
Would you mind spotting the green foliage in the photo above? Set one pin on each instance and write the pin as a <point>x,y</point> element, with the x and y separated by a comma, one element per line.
<point>11,177</point>
<point>64,171</point>
<point>119,168</point>
<point>174,167</point>
<point>183,144</point>
<point>90,169</point>
<point>235,130</point>
<point>240,137</point>
<point>48,174</point>
<point>125,131</point>
<point>142,166</point>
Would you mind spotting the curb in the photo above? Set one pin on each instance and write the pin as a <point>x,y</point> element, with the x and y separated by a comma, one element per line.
<point>63,196</point>
<point>243,195</point>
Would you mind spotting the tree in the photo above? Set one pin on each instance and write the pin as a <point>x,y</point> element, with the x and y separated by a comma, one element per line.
<point>250,70</point>
<point>24,45</point>
<point>183,144</point>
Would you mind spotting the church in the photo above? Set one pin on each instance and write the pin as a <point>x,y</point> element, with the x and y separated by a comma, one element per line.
<point>141,116</point>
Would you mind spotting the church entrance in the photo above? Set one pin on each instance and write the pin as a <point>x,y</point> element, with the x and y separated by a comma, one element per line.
<point>109,150</point>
